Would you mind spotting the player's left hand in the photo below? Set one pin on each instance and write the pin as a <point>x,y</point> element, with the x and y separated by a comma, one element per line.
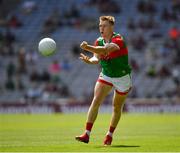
<point>84,58</point>
<point>84,45</point>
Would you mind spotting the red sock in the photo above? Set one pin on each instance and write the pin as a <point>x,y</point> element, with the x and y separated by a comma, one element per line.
<point>89,126</point>
<point>111,129</point>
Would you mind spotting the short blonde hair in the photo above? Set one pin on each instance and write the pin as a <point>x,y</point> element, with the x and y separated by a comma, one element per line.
<point>109,18</point>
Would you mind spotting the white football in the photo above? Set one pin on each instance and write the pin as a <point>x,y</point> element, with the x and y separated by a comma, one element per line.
<point>47,46</point>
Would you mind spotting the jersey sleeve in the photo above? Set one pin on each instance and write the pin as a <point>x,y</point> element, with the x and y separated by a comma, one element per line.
<point>118,41</point>
<point>96,42</point>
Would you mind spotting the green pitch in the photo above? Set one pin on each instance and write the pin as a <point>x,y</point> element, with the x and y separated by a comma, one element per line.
<point>55,133</point>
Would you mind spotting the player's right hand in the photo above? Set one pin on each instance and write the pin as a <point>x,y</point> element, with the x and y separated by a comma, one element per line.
<point>84,58</point>
<point>83,45</point>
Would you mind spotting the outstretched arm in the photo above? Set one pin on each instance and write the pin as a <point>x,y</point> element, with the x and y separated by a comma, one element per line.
<point>100,50</point>
<point>88,60</point>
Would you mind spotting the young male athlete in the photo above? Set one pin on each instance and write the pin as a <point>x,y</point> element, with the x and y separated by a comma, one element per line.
<point>111,52</point>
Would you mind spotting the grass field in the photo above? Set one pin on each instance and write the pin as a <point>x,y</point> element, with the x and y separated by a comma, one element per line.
<point>55,133</point>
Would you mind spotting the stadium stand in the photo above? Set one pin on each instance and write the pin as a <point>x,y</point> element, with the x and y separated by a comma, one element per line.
<point>151,29</point>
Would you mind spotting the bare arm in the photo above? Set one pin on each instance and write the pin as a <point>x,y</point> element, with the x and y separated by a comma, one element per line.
<point>88,60</point>
<point>99,50</point>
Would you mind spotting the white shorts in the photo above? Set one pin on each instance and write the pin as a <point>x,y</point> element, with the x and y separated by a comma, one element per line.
<point>122,84</point>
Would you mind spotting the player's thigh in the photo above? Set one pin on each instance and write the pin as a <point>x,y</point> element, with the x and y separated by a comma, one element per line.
<point>118,99</point>
<point>101,90</point>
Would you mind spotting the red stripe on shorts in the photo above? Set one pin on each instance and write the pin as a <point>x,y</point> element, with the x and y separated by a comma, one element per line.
<point>105,82</point>
<point>123,93</point>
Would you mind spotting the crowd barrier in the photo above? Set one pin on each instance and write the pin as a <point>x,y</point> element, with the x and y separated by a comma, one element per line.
<point>75,106</point>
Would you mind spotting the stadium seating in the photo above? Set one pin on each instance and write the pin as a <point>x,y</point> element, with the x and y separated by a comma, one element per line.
<point>80,79</point>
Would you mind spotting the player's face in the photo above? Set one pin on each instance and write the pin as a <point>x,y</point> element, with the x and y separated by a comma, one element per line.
<point>105,28</point>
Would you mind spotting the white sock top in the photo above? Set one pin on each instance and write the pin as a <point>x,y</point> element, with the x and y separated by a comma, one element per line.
<point>88,132</point>
<point>109,133</point>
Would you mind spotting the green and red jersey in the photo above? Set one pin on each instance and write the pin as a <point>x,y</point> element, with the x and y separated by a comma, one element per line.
<point>115,64</point>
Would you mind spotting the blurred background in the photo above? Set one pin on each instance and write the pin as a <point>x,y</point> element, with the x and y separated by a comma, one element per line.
<point>30,82</point>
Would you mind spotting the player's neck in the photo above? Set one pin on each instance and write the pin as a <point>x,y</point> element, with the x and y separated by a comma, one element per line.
<point>108,37</point>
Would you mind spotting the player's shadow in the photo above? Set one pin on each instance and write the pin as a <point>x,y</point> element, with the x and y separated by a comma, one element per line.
<point>125,146</point>
<point>120,146</point>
